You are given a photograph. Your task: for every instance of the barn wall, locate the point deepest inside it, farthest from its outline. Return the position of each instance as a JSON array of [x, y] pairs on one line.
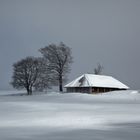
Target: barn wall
[[101, 90], [93, 90], [79, 89]]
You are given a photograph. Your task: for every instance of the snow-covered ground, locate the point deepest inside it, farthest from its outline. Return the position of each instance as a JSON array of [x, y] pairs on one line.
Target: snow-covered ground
[[70, 116]]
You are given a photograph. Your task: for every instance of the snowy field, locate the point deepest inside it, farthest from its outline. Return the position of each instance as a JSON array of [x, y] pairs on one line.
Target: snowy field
[[73, 116]]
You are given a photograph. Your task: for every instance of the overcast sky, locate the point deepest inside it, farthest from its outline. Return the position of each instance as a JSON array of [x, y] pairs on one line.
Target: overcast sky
[[98, 31]]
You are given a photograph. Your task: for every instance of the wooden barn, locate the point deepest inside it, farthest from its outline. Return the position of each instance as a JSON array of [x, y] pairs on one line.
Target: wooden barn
[[90, 83]]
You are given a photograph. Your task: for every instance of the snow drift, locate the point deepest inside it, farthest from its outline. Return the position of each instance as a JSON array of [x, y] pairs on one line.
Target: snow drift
[[54, 116]]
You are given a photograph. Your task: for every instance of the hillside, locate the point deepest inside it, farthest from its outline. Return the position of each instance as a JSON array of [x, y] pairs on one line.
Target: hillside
[[70, 116]]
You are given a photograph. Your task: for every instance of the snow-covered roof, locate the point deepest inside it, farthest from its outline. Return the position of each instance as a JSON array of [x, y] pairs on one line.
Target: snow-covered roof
[[92, 80]]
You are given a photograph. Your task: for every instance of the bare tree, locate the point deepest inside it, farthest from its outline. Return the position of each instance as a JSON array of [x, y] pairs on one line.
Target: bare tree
[[27, 73], [98, 70], [44, 80], [59, 59]]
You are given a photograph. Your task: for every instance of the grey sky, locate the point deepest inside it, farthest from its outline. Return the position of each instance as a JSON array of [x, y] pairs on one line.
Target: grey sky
[[105, 31]]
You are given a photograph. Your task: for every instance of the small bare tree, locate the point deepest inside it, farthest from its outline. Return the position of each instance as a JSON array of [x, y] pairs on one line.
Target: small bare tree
[[59, 59], [44, 80], [27, 74], [98, 70]]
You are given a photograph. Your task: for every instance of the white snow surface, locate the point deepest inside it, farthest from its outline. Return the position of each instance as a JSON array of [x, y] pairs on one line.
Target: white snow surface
[[70, 116], [92, 80]]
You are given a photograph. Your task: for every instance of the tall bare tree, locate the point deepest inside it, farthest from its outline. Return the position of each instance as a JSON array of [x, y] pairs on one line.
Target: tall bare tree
[[59, 58], [27, 74], [98, 70]]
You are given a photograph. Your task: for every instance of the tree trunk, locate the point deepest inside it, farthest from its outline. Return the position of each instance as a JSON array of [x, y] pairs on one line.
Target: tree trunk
[[60, 88], [60, 84], [29, 91]]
